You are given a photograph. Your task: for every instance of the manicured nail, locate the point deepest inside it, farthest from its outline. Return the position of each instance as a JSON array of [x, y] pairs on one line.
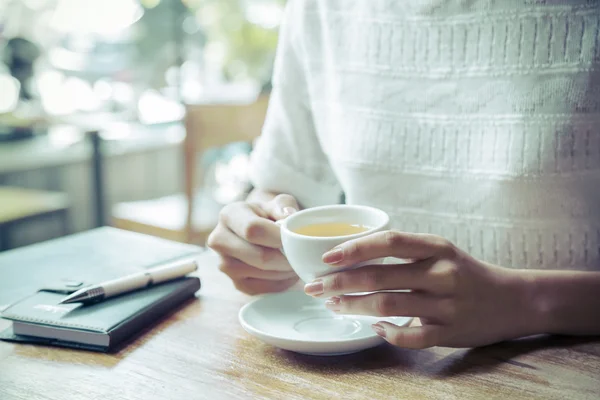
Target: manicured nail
[[314, 288], [333, 303], [287, 211], [379, 329], [333, 256]]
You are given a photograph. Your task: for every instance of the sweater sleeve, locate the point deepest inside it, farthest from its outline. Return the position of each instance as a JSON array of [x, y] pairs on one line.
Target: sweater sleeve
[[288, 157]]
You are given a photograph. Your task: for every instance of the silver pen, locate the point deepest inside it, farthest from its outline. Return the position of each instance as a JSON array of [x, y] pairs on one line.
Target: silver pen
[[138, 280]]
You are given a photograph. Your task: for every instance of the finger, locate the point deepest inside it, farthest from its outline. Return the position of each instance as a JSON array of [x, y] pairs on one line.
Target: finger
[[370, 278], [237, 270], [390, 304], [281, 206], [254, 286], [388, 244], [225, 242], [432, 275], [419, 337], [245, 221]]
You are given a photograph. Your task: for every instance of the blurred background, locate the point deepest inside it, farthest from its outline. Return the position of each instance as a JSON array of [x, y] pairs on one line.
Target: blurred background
[[138, 114]]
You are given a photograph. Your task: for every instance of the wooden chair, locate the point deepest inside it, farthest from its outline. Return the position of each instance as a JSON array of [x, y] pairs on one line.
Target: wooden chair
[[19, 205], [184, 216]]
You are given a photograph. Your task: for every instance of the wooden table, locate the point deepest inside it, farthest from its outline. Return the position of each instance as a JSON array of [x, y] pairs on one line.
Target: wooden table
[[202, 352]]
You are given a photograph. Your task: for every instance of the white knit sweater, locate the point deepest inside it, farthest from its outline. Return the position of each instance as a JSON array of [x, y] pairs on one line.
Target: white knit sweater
[[475, 120]]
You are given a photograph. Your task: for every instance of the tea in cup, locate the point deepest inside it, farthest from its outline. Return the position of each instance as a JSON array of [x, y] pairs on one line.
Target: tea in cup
[[308, 234]]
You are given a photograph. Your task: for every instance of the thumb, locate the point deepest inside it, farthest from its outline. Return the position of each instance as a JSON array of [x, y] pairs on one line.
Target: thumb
[[282, 206]]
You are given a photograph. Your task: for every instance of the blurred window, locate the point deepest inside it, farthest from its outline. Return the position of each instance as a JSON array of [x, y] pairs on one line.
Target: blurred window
[[135, 58]]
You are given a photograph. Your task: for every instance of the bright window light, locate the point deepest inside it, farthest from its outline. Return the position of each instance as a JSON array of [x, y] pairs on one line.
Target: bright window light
[[106, 17]]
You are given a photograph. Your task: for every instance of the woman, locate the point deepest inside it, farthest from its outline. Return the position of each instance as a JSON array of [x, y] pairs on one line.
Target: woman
[[475, 125]]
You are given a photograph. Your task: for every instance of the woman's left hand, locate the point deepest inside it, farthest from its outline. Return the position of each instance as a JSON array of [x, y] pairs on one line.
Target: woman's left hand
[[461, 302]]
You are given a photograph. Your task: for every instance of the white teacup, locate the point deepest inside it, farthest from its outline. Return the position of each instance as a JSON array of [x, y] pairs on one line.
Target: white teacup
[[305, 253]]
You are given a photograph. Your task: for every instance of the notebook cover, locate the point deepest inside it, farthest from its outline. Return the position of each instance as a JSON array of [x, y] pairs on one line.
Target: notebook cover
[[118, 317], [88, 257]]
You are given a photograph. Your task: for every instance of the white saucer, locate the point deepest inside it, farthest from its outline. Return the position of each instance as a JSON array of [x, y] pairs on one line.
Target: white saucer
[[300, 323]]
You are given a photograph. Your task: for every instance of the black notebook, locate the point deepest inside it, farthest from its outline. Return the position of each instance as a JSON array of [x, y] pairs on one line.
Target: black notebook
[[34, 279], [101, 326]]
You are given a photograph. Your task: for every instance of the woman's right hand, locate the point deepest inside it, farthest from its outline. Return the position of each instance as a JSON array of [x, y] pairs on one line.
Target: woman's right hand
[[248, 241]]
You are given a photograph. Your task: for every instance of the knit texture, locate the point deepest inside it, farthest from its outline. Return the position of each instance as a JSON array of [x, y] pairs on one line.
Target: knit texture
[[475, 120]]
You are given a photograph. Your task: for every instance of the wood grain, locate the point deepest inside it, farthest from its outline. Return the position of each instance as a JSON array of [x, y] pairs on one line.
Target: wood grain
[[201, 352]]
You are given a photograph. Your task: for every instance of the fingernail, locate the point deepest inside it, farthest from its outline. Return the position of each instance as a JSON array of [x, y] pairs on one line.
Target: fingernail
[[333, 303], [287, 211], [334, 256], [314, 288], [379, 329]]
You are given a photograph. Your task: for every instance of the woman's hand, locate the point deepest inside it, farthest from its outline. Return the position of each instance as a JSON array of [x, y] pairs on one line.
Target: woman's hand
[[248, 242], [460, 301]]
